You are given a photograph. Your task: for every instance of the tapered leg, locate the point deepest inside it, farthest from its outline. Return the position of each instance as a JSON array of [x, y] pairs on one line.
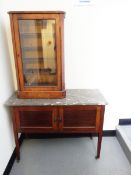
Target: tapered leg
[[17, 147], [16, 134], [99, 145], [100, 133]]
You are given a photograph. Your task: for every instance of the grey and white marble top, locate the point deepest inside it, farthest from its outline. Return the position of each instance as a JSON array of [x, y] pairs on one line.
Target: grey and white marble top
[[73, 97]]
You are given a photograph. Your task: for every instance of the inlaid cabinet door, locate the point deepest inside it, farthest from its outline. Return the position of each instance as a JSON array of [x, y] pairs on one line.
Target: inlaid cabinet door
[[36, 119], [79, 118]]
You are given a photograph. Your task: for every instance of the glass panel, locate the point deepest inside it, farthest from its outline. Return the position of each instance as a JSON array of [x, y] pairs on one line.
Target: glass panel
[[37, 39]]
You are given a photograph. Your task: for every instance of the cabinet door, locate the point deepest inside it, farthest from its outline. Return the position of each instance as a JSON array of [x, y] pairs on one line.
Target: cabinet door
[[79, 119], [38, 51], [36, 119]]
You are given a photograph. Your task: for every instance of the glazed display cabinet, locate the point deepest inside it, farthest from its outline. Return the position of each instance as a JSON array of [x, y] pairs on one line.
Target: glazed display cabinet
[[39, 52]]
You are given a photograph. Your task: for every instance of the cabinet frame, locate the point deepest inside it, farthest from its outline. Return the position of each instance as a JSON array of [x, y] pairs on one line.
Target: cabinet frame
[[56, 91]]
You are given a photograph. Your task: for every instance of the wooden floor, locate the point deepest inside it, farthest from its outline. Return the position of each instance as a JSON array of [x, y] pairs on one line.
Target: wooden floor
[[71, 156]]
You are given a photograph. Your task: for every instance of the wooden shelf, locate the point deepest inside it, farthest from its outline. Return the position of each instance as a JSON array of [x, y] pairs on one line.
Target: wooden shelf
[[40, 79], [30, 35], [40, 71], [40, 84], [32, 48], [33, 60]]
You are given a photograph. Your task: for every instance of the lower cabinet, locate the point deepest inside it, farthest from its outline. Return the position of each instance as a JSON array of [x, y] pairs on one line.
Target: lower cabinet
[[58, 119]]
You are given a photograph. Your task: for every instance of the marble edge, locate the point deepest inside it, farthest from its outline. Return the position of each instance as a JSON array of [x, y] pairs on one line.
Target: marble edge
[[48, 105], [14, 101]]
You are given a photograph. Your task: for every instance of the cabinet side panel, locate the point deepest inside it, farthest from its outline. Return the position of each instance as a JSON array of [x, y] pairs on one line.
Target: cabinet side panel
[[62, 49], [14, 48]]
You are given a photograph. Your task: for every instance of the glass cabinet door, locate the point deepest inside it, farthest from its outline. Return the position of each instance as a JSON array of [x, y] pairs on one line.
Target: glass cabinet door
[[38, 44]]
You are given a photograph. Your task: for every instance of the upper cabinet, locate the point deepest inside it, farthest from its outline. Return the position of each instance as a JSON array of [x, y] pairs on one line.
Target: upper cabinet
[[38, 50]]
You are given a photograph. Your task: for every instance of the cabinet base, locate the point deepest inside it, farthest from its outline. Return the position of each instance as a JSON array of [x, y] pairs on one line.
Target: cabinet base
[[41, 94]]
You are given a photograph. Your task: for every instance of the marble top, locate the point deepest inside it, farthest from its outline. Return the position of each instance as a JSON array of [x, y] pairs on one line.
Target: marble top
[[73, 97]]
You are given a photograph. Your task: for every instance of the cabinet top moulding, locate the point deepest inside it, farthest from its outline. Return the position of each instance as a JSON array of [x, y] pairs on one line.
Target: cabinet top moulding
[[36, 12]]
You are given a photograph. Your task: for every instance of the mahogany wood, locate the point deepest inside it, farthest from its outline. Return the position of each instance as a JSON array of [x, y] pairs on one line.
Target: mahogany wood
[[58, 119], [100, 133], [41, 94], [15, 129], [55, 91], [36, 12]]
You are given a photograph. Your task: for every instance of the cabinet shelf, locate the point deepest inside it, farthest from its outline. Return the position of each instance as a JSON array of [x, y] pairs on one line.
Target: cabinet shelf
[[40, 84], [33, 23], [40, 79], [34, 60], [35, 34], [38, 71], [32, 49], [30, 35]]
